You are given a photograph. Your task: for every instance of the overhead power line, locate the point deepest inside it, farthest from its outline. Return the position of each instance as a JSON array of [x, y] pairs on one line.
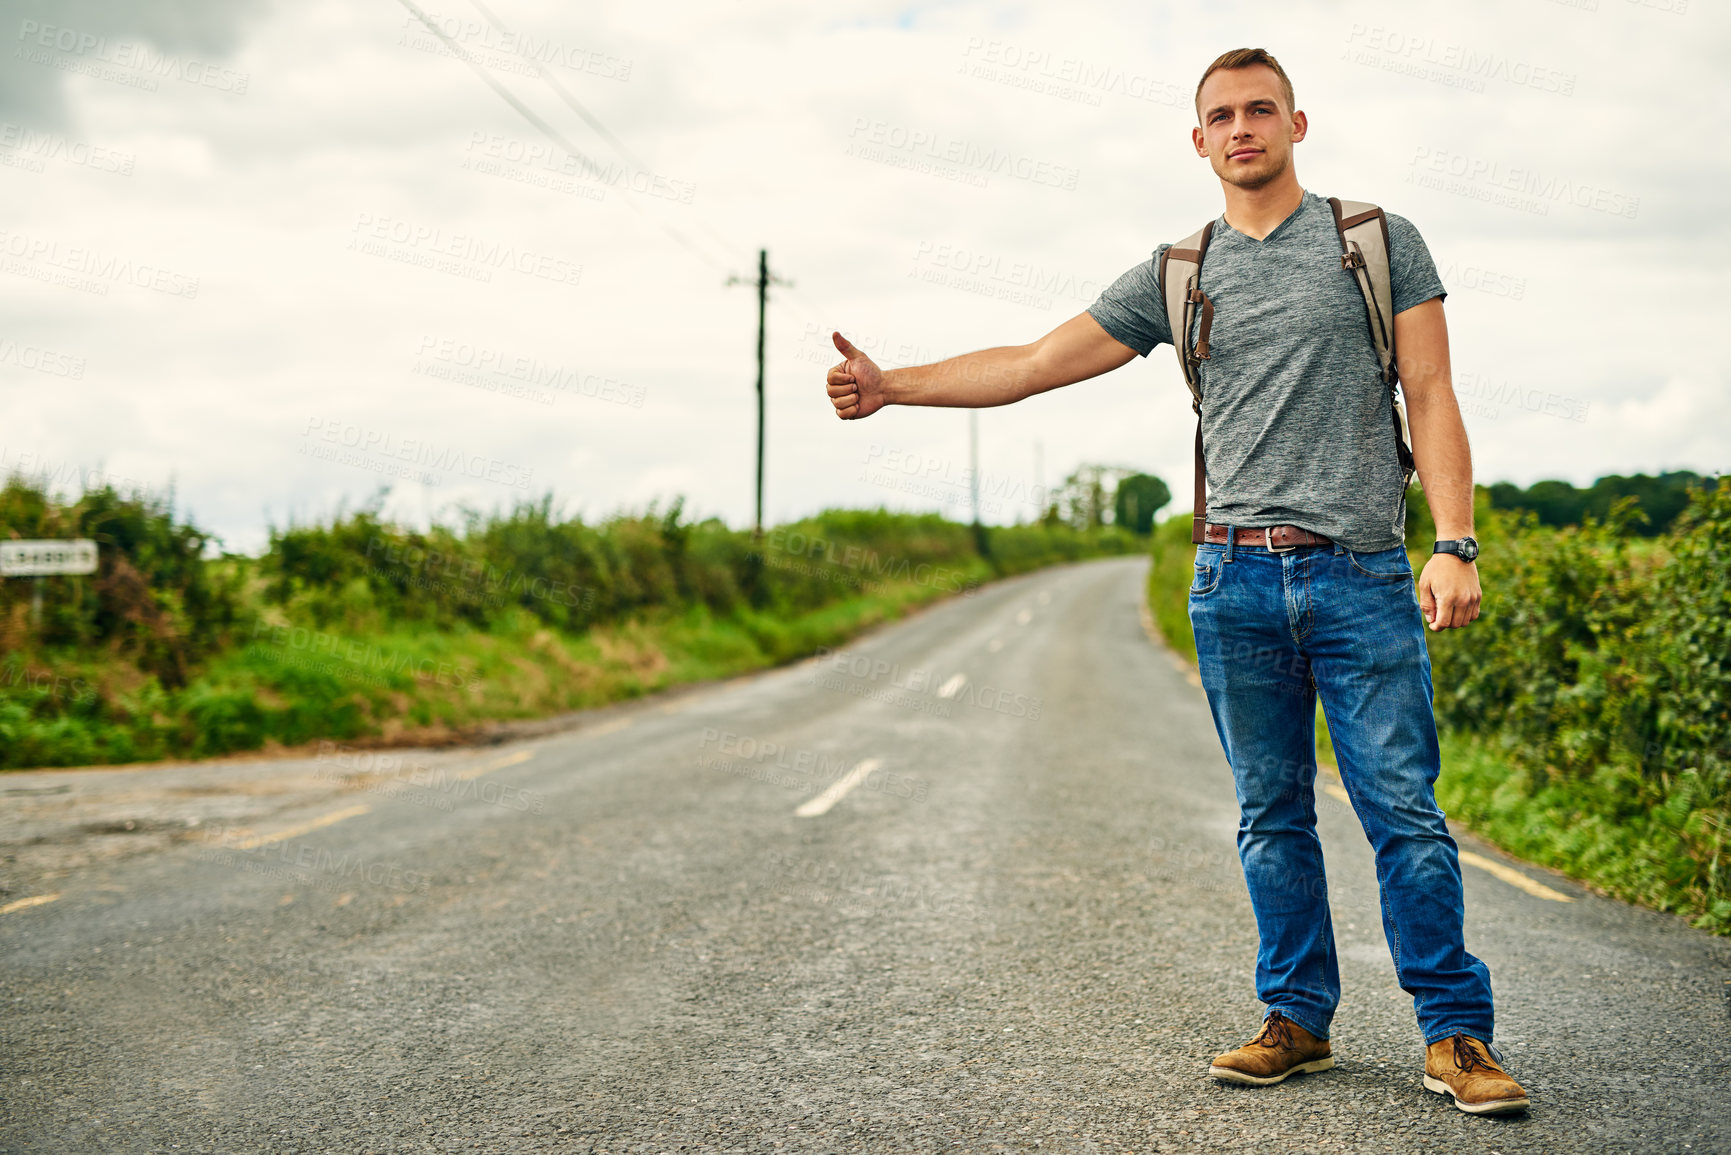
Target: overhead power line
[[594, 122], [575, 105], [763, 279], [546, 129], [734, 251]]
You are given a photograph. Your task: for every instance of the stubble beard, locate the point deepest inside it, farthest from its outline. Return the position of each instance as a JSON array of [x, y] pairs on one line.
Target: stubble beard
[[1273, 171]]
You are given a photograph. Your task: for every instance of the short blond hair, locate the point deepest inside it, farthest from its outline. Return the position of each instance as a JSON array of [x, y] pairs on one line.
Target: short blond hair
[[1246, 58]]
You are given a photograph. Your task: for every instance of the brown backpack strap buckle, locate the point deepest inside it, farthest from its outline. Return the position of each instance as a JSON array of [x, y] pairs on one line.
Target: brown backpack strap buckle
[[1352, 260], [1197, 297]]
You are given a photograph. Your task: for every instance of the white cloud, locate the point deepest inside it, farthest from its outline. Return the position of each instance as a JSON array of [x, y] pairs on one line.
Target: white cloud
[[345, 134]]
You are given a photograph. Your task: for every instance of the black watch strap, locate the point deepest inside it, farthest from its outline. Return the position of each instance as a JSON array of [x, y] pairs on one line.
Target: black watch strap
[[1465, 548]]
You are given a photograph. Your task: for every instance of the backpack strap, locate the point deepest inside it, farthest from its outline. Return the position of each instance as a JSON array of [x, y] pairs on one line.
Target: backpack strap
[[1180, 277], [1363, 229]]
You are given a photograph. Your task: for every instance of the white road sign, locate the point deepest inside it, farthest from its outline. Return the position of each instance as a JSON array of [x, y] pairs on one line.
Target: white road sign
[[35, 558]]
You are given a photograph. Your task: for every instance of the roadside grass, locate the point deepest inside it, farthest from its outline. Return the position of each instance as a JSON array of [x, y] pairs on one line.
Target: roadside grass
[[1615, 832], [1169, 577], [359, 628], [282, 686]]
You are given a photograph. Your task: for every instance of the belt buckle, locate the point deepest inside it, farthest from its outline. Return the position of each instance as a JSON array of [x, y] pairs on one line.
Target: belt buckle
[[1268, 540]]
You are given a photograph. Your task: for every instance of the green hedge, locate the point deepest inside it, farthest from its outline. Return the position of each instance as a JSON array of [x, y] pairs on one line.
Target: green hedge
[[1169, 578], [358, 626], [1600, 674], [152, 601], [1587, 714]]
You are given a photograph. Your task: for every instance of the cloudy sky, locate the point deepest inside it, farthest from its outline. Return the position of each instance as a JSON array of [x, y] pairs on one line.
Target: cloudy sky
[[277, 256]]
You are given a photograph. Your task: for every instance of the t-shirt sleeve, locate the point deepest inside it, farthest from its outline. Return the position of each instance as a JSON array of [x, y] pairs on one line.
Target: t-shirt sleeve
[[1411, 271], [1133, 310]]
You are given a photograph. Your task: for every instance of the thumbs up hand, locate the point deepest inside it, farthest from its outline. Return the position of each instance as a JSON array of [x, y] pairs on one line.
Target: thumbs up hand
[[856, 386]]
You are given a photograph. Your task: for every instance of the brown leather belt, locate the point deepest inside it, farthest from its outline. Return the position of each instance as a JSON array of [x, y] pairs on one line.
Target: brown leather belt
[[1275, 538]]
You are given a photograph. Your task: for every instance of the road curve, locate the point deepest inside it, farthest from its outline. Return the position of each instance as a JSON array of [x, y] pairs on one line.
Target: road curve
[[968, 885]]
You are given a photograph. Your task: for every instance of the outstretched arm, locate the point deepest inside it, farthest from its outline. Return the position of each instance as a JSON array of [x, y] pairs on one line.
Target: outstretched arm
[[1448, 587], [1074, 351]]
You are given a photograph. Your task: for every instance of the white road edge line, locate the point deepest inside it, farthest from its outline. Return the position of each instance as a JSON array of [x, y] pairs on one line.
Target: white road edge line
[[26, 903], [838, 789]]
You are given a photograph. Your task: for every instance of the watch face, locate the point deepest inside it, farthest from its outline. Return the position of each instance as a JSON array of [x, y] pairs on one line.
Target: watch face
[[1469, 549]]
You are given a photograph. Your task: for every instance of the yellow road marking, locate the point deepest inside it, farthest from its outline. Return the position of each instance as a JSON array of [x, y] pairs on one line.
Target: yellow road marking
[[1148, 627], [331, 819], [1154, 636], [1513, 877], [612, 727], [23, 903], [1489, 865], [496, 764]]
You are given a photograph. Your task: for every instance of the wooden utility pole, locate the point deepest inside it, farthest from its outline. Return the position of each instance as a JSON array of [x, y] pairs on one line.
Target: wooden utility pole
[[764, 280], [974, 460]]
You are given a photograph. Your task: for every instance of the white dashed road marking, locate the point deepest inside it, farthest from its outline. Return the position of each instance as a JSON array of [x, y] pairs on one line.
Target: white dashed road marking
[[838, 789]]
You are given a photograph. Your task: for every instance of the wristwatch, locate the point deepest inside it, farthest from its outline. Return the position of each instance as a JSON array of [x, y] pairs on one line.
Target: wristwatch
[[1465, 548]]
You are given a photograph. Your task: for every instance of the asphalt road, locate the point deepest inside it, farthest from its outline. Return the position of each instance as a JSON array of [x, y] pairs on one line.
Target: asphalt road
[[1021, 927]]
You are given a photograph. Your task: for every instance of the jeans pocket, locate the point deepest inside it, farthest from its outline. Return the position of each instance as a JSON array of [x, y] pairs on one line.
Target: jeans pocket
[[1389, 565], [1207, 575]]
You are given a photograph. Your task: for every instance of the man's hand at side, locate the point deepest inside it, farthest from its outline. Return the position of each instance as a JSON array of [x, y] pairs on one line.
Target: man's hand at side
[[1448, 591], [856, 386], [1448, 588]]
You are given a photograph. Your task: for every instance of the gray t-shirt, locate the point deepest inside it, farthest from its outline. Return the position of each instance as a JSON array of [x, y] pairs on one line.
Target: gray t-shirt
[[1295, 416]]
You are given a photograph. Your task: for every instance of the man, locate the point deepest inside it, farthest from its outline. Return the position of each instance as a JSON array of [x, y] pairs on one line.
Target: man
[[1302, 568]]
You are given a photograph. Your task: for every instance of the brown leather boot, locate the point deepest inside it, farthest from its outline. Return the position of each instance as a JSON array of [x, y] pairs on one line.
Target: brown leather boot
[[1283, 1048], [1461, 1066]]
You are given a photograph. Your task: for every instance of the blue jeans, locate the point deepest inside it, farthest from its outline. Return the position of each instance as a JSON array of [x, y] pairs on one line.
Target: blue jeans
[[1273, 632]]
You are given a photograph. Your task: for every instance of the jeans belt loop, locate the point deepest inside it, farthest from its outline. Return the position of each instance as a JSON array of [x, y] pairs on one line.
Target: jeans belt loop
[[1231, 541]]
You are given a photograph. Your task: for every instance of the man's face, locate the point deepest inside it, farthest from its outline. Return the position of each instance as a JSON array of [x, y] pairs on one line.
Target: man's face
[[1247, 131]]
